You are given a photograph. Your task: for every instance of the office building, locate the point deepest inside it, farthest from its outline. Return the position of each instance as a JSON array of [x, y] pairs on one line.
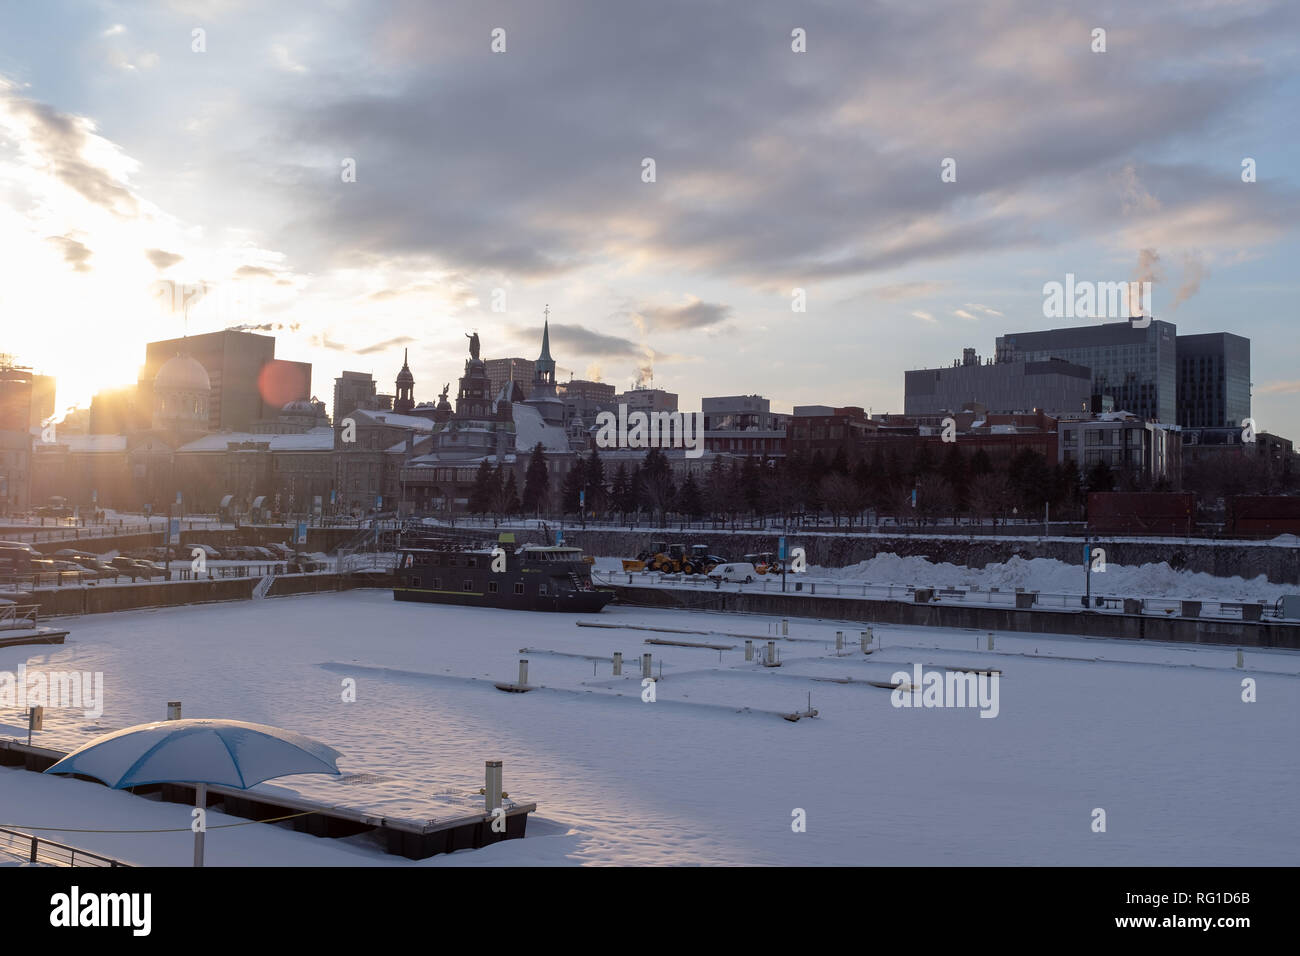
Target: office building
[[240, 366], [1054, 385], [502, 370], [1213, 380], [1136, 366], [15, 437]]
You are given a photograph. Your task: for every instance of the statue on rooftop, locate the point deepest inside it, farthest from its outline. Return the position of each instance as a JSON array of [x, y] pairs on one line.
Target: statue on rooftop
[[473, 345]]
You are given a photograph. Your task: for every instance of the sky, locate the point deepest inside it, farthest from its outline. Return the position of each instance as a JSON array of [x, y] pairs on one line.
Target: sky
[[183, 167]]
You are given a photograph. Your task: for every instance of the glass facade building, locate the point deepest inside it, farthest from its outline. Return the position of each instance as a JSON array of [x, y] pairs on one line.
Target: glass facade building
[[1136, 366], [1213, 380]]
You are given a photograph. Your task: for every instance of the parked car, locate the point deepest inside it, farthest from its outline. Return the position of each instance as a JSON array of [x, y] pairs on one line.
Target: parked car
[[136, 567], [149, 569], [735, 572], [48, 570], [19, 546], [96, 568], [211, 553]]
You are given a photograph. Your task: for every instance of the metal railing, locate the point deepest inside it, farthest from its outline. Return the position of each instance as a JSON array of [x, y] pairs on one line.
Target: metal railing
[[37, 849], [13, 616]]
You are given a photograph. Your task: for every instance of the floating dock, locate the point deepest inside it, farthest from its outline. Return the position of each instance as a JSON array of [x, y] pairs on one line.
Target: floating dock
[[414, 840]]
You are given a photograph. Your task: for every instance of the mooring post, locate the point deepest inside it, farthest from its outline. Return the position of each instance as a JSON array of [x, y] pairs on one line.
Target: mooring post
[[771, 652], [1240, 659], [785, 627], [523, 672], [990, 640], [645, 666], [865, 638], [173, 710], [839, 641], [618, 663], [492, 785], [749, 650]]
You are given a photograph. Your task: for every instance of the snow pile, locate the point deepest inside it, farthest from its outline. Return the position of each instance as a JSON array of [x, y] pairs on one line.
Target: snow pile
[[1052, 576]]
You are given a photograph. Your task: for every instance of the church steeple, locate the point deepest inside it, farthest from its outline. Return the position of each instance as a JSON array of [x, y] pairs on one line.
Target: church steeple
[[405, 400], [544, 367]]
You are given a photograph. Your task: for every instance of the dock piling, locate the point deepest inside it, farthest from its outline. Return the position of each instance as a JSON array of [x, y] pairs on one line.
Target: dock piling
[[492, 785]]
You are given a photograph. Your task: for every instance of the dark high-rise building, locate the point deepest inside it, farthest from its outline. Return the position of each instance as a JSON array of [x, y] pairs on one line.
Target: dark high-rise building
[[353, 390], [43, 387], [15, 436], [234, 362], [1213, 380], [502, 370], [1136, 366]]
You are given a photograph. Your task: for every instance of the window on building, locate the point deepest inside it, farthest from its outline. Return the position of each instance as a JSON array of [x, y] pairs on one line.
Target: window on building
[[519, 587], [492, 587], [541, 589], [467, 586]]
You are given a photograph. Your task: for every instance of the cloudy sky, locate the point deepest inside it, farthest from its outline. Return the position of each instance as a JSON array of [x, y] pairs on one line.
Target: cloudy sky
[[516, 180]]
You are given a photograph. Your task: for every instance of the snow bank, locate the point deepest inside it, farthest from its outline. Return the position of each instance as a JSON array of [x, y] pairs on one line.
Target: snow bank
[[1053, 576]]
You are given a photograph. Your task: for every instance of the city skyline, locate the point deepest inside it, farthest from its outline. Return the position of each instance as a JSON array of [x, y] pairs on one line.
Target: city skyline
[[131, 159]]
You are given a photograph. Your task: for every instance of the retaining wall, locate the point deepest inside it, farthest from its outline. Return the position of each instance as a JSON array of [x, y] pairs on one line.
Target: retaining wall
[[1278, 563], [1136, 627]]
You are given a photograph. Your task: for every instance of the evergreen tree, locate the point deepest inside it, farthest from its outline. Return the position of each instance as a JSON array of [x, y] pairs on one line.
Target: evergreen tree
[[597, 493], [980, 464], [953, 471], [573, 484], [1030, 480], [621, 491], [1100, 477], [751, 485], [481, 494], [510, 495], [688, 498], [537, 482], [715, 490]]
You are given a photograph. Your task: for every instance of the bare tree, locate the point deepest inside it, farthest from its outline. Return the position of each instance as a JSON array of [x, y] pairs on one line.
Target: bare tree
[[989, 494]]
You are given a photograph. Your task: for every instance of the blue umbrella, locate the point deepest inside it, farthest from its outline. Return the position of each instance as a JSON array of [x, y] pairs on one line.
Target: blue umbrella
[[231, 753]]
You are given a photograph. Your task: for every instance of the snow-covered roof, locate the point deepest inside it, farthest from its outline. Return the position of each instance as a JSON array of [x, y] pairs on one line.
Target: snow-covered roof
[[316, 439], [393, 418], [92, 443], [531, 429]]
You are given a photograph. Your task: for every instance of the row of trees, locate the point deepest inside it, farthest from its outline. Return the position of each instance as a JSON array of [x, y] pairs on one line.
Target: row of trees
[[901, 482]]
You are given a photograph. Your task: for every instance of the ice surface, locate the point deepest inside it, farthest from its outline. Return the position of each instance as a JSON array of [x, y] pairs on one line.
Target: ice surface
[[1157, 735]]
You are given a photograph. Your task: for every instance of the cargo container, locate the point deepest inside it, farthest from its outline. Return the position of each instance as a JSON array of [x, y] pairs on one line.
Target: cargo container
[[1141, 512], [1262, 516]]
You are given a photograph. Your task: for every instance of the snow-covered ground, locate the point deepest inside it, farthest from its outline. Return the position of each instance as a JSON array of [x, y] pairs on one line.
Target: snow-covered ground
[[1156, 735]]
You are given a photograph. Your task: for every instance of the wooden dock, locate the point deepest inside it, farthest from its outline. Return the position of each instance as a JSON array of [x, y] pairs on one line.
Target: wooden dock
[[411, 839], [15, 637]]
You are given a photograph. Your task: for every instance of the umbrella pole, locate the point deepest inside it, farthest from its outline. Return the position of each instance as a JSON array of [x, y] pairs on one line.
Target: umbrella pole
[[200, 801]]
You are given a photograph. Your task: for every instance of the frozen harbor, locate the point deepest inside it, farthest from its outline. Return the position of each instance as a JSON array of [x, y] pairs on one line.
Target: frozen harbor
[[1156, 735]]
